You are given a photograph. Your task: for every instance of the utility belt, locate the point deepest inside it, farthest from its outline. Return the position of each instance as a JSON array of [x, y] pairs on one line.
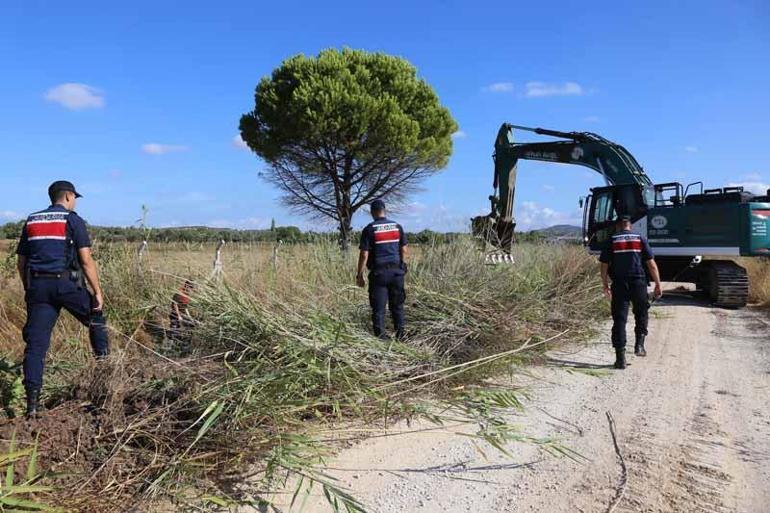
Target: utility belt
[[46, 275], [628, 278], [388, 267], [74, 276]]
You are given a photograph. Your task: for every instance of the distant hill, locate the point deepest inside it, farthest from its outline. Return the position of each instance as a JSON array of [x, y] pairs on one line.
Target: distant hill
[[561, 230]]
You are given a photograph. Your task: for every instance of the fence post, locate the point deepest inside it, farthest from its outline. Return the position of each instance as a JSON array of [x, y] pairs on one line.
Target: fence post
[[275, 254], [218, 267], [140, 251]]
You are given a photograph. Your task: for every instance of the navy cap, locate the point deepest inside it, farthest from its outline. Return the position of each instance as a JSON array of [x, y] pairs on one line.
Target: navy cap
[[625, 217], [377, 205], [62, 185]]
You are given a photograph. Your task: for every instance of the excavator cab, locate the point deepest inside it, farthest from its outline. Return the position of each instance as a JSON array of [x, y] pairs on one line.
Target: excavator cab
[[605, 204]]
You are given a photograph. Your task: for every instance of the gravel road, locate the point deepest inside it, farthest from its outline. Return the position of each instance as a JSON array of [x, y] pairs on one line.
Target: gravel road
[[692, 422]]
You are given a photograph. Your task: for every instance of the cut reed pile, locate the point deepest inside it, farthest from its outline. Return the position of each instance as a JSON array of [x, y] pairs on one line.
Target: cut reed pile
[[278, 354]]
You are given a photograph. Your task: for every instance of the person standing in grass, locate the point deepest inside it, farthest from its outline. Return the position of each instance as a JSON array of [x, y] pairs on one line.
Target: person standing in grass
[[180, 321], [624, 260], [383, 250], [54, 263]]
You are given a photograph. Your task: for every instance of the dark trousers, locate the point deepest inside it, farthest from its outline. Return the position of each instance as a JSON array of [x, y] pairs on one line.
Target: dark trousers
[[45, 298], [180, 331], [386, 286], [624, 291]]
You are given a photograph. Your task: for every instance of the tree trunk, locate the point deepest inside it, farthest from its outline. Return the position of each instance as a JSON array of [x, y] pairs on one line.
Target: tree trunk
[[344, 206], [346, 218], [345, 229]]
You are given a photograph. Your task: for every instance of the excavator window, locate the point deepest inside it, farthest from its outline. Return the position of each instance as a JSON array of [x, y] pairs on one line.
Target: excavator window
[[603, 207], [669, 194], [609, 202]]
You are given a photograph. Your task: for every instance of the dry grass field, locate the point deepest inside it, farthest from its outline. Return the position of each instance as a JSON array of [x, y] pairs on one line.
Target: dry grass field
[[280, 351]]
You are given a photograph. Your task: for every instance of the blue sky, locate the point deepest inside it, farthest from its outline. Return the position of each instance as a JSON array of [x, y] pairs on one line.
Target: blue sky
[[683, 85]]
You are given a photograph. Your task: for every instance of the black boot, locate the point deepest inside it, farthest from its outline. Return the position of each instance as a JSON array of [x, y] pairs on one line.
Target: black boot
[[620, 357], [639, 346], [33, 400]]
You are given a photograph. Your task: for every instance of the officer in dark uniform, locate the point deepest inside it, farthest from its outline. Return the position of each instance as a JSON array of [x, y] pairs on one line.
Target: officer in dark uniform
[[624, 260], [54, 263], [383, 251]]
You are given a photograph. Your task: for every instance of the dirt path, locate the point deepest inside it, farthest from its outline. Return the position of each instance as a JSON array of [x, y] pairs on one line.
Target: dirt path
[[692, 423]]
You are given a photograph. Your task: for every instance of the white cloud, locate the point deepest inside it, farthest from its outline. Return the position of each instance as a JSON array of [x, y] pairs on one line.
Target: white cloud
[[459, 135], [530, 216], [195, 196], [691, 149], [239, 143], [498, 87], [76, 96], [752, 177], [542, 89], [760, 188], [592, 119], [162, 149], [249, 223], [9, 215], [549, 188], [413, 209], [416, 216]]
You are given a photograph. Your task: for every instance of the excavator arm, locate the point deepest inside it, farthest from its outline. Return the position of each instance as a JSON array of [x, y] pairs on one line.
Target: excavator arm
[[611, 160]]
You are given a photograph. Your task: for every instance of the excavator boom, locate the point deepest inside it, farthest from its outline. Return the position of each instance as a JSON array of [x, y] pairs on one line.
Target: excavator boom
[[587, 149]]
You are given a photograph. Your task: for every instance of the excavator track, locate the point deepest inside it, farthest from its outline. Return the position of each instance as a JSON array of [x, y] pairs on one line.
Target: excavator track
[[727, 283]]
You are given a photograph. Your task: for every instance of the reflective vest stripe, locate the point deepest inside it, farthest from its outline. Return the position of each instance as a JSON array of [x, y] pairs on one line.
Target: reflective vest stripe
[[386, 236], [37, 230], [626, 245]]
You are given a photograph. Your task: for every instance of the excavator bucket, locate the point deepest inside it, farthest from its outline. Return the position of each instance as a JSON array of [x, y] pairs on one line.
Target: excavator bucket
[[495, 237]]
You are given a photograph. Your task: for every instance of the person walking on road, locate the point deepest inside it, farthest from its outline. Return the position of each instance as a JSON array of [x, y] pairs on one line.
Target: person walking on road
[[383, 250], [54, 262], [624, 260]]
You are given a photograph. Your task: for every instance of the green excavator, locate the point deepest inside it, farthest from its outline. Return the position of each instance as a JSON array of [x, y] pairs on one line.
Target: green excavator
[[694, 233]]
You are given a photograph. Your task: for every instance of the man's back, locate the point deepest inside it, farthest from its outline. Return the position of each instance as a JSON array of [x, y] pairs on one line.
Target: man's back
[[44, 240], [383, 239], [626, 253]]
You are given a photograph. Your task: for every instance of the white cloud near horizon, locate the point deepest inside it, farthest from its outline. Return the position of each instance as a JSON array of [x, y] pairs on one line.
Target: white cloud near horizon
[[537, 89], [459, 135], [74, 96], [759, 188], [752, 177], [162, 149], [416, 216], [10, 215], [691, 149], [249, 223], [499, 87], [239, 143], [531, 216]]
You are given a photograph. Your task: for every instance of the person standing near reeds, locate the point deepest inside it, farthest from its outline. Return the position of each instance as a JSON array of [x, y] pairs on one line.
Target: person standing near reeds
[[624, 260], [180, 321], [54, 262], [383, 250]]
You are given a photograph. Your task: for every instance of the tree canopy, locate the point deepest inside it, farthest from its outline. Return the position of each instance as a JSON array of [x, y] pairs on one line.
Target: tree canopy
[[346, 127]]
